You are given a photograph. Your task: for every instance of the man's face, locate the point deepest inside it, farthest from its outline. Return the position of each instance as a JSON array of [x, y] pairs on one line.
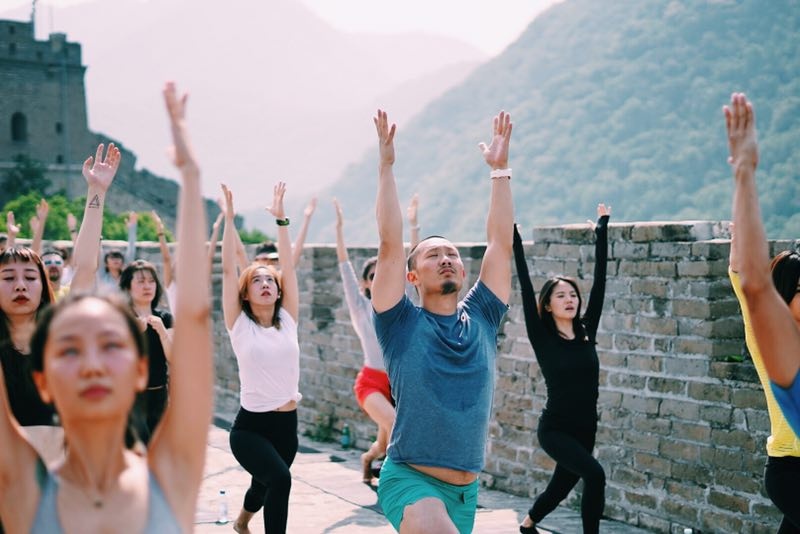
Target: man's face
[[54, 265], [437, 267]]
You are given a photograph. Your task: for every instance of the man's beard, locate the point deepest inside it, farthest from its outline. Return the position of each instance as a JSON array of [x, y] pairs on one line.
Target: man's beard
[[449, 287], [54, 277]]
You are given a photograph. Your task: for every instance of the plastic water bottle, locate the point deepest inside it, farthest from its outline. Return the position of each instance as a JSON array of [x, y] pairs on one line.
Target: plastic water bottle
[[222, 519], [346, 436]]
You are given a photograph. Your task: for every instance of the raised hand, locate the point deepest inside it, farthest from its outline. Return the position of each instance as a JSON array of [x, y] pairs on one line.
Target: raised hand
[[602, 210], [182, 156], [277, 201], [131, 219], [339, 216], [42, 210], [72, 223], [740, 121], [100, 171], [157, 324], [11, 226], [227, 205], [411, 211], [496, 153], [157, 220], [385, 138], [310, 208]]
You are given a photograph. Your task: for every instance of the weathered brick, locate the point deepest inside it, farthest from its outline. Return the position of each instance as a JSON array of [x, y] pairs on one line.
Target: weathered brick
[[704, 391], [697, 308], [651, 463], [692, 431], [655, 425], [680, 409], [703, 268], [727, 501], [630, 342], [660, 384], [662, 269], [682, 451], [649, 287]]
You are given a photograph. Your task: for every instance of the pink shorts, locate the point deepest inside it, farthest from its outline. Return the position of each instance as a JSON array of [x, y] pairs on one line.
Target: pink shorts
[[370, 381]]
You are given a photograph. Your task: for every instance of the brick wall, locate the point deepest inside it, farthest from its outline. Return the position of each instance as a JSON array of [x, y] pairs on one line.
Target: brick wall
[[683, 424]]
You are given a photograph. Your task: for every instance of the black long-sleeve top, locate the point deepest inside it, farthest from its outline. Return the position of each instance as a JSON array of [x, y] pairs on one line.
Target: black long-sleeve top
[[570, 366]]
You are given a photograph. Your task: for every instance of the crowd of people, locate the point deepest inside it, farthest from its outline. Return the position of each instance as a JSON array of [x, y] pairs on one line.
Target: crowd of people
[[106, 383]]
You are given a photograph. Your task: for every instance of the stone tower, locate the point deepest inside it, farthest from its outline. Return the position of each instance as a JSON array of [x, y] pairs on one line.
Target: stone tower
[[43, 116]]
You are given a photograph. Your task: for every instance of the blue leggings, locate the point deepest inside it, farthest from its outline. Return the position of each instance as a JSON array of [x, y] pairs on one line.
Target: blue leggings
[[572, 452], [265, 444]]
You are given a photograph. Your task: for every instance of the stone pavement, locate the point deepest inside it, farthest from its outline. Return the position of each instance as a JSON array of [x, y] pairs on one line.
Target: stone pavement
[[329, 497]]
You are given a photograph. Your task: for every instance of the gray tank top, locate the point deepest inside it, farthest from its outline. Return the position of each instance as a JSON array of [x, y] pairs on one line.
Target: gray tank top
[[160, 518]]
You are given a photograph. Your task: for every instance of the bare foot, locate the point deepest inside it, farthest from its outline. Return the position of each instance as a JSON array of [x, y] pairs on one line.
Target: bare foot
[[241, 525], [366, 468]]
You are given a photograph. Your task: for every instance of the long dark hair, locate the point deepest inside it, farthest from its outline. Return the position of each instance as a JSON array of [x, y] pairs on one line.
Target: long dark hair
[[126, 279], [244, 283], [20, 254], [785, 269], [547, 316]]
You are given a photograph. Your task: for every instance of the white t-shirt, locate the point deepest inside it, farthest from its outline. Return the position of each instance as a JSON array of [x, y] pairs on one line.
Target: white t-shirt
[[269, 362]]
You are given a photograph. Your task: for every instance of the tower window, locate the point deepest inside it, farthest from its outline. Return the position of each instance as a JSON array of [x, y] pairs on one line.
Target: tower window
[[59, 128], [59, 159], [19, 127]]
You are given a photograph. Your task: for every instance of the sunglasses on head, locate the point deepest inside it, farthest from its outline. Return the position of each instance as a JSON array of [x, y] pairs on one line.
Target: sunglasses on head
[[53, 262]]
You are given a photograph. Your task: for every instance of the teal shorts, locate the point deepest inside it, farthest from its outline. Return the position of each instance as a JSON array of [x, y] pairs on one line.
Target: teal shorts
[[401, 486]]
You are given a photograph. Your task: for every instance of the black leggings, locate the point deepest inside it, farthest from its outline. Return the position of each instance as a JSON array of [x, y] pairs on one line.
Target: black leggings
[[265, 444], [780, 479], [572, 452]]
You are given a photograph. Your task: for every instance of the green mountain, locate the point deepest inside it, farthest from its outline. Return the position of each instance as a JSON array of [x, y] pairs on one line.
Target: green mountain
[[616, 102]]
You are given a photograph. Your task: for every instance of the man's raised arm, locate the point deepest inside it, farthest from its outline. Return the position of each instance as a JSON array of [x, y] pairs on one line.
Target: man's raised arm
[[496, 265], [389, 285], [777, 335]]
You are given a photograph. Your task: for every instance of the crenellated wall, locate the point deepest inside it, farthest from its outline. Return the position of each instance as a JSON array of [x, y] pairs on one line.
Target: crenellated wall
[[683, 421]]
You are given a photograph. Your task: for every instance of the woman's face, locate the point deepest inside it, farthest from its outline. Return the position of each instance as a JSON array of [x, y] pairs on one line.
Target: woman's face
[[92, 369], [21, 288], [262, 290], [563, 301], [143, 288]]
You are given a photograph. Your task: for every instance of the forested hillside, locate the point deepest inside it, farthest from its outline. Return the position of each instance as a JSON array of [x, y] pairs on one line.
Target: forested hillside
[[618, 102]]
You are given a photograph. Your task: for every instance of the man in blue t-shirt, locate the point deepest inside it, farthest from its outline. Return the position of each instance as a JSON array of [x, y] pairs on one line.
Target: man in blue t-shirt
[[440, 356]]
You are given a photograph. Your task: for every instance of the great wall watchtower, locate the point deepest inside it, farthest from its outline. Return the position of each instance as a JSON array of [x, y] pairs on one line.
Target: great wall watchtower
[[43, 115]]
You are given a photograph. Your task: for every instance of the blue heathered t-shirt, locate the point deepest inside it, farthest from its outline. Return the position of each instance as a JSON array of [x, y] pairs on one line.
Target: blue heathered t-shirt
[[441, 368]]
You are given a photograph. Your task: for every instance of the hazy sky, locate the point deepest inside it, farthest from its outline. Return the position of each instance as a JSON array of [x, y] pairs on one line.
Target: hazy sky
[[489, 26]]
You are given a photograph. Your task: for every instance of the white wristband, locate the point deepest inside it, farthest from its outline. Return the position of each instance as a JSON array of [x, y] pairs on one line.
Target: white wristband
[[500, 173]]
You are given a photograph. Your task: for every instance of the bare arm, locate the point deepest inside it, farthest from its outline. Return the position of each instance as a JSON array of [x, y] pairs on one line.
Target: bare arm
[[38, 222], [177, 451], [132, 222], [166, 257], [19, 492], [231, 307], [214, 238], [297, 249], [777, 334], [413, 223], [99, 173], [388, 287], [11, 229], [341, 250], [289, 288], [496, 265]]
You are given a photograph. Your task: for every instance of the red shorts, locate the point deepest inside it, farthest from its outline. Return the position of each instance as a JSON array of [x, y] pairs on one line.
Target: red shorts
[[370, 381]]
